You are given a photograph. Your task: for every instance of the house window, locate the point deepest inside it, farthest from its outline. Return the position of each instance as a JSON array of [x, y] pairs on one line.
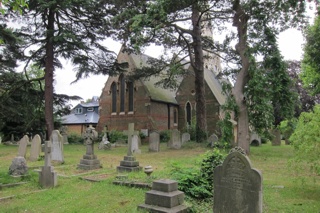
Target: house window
[[188, 113], [90, 109], [130, 101], [78, 111], [114, 97], [122, 92]]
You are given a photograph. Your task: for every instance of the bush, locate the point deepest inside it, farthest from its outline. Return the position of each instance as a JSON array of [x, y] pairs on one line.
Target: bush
[[74, 138], [198, 183], [164, 136], [306, 141], [115, 135]]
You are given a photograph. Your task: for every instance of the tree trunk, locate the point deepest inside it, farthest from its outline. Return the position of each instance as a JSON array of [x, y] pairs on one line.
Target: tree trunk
[[49, 71], [240, 20], [201, 117]]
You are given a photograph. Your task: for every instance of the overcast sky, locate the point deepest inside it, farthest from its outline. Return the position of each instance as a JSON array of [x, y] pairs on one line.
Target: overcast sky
[[290, 43]]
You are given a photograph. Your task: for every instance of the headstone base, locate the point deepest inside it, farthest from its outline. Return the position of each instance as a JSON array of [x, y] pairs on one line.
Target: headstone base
[[89, 162], [48, 177], [164, 197], [129, 164]]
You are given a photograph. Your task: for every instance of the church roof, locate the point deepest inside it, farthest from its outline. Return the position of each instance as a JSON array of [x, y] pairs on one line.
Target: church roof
[[215, 86], [156, 93]]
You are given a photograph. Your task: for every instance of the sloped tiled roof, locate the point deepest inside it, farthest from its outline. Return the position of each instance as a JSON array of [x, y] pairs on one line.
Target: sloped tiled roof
[[87, 118], [215, 86], [156, 93]]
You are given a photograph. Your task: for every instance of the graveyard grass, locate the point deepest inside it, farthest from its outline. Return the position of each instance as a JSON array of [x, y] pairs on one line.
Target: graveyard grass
[[283, 189]]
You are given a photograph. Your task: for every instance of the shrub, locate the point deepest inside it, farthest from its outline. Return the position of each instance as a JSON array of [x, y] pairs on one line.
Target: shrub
[[74, 138], [306, 140], [115, 135], [198, 183], [165, 136]]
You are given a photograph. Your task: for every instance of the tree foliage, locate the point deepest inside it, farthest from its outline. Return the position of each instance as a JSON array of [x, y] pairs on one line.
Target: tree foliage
[[306, 140], [311, 60]]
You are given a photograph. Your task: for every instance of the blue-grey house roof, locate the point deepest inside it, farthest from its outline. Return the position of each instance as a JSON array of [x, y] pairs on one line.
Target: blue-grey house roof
[[85, 117]]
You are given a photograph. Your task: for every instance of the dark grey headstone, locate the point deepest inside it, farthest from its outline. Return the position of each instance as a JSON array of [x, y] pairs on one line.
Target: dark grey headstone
[[237, 187], [18, 166]]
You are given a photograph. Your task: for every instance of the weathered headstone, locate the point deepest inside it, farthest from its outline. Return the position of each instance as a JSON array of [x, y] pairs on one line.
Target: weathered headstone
[[129, 163], [23, 143], [213, 139], [18, 166], [64, 133], [164, 197], [35, 148], [89, 160], [104, 144], [175, 140], [154, 142], [57, 147], [135, 144], [47, 176], [185, 138], [255, 139], [237, 187], [276, 141]]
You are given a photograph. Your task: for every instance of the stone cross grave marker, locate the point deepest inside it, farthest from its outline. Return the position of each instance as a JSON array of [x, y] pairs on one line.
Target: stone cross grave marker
[[35, 148], [47, 176], [154, 142], [130, 134], [237, 187], [23, 143], [175, 140], [57, 146]]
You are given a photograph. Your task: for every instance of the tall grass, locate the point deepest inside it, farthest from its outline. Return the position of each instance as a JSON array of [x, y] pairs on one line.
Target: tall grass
[[283, 190]]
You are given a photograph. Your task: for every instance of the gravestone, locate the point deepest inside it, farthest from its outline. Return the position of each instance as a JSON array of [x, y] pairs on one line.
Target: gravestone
[[18, 166], [213, 139], [154, 142], [135, 144], [129, 164], [64, 133], [57, 147], [35, 148], [276, 141], [255, 139], [175, 141], [23, 143], [89, 160], [105, 143], [47, 176], [164, 197], [237, 187], [185, 138]]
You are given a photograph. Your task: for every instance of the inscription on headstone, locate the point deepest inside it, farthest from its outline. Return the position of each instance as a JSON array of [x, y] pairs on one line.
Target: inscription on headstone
[[237, 187]]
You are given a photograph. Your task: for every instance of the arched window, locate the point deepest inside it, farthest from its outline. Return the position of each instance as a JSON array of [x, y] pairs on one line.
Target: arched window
[[188, 113], [130, 98], [114, 97], [122, 92]]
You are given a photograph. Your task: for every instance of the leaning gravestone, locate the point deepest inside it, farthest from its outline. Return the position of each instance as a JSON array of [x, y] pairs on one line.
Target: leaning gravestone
[[213, 139], [89, 160], [47, 176], [35, 148], [23, 143], [129, 164], [105, 143], [154, 142], [57, 147], [175, 141], [237, 187], [185, 138]]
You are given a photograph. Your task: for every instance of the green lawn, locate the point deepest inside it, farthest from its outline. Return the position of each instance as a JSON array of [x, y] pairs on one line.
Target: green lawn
[[283, 191]]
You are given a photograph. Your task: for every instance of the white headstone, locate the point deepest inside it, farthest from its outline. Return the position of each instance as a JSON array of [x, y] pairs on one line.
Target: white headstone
[[35, 148], [175, 141], [135, 144], [57, 146]]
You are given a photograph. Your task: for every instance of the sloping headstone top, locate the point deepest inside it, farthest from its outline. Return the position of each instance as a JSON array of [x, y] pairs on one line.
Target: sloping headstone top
[[35, 148], [237, 187], [23, 143], [57, 146]]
